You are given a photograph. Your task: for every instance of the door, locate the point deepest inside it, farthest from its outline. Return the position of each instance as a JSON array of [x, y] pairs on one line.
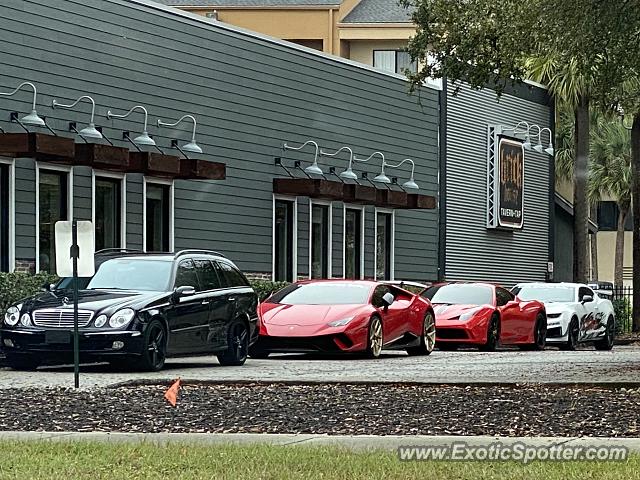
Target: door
[[393, 318], [187, 316], [588, 314], [513, 325], [214, 328], [4, 218]]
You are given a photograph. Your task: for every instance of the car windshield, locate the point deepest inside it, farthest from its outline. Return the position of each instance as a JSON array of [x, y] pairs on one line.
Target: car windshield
[[132, 274], [322, 294], [460, 294], [547, 294]]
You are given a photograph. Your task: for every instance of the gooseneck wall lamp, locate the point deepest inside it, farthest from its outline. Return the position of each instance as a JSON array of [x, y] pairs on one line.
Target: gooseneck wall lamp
[[144, 138], [314, 168], [348, 173], [528, 135], [32, 118], [192, 146], [409, 184], [90, 131], [381, 178]]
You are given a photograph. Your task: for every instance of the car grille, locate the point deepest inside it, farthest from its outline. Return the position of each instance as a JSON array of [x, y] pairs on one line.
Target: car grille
[[60, 318]]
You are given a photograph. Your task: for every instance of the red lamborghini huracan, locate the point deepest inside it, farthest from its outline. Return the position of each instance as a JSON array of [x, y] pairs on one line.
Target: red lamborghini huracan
[[344, 316], [485, 315]]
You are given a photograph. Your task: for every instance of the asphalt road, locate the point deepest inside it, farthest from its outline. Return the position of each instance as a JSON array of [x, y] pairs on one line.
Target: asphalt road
[[466, 366]]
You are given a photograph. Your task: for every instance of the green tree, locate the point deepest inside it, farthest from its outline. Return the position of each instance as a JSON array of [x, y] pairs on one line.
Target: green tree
[[610, 174]]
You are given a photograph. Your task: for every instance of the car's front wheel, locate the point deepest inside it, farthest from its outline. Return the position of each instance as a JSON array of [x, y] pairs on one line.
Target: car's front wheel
[[607, 341], [237, 345], [23, 361], [154, 352], [572, 335], [428, 338], [374, 338], [493, 335]]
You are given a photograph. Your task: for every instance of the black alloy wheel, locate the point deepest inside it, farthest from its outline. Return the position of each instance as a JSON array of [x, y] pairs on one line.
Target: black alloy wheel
[[572, 336], [493, 334], [154, 351], [606, 343], [237, 345]]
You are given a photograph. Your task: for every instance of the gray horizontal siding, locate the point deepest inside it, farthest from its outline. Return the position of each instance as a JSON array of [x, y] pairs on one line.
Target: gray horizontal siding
[[474, 252], [249, 95], [25, 210]]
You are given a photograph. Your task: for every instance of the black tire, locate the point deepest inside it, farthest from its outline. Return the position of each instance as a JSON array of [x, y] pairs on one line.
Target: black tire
[[607, 342], [428, 338], [493, 334], [237, 345], [24, 362], [539, 334], [154, 349], [375, 338], [572, 339], [256, 352], [447, 347]]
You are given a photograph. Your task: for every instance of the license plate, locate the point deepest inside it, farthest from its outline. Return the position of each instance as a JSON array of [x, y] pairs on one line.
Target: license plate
[[52, 336]]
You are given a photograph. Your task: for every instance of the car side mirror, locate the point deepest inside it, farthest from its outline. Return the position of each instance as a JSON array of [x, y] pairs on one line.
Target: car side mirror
[[48, 287], [587, 298], [184, 291], [387, 299]]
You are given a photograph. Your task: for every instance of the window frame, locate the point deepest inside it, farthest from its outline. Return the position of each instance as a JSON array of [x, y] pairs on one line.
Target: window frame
[[123, 201], [329, 234], [195, 272], [510, 296], [10, 162], [395, 51], [158, 181], [294, 201], [361, 209], [392, 257], [52, 167]]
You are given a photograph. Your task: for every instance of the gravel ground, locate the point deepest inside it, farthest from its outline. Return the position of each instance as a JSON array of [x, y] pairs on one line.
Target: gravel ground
[[533, 410]]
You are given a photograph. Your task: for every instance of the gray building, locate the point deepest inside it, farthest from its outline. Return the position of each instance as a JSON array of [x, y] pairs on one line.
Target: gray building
[[250, 95]]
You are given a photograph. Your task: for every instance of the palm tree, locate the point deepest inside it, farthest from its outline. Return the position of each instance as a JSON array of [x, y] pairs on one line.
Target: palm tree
[[571, 90], [610, 174]]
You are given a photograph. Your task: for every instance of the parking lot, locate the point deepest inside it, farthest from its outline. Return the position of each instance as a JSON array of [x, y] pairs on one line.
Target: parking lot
[[465, 366]]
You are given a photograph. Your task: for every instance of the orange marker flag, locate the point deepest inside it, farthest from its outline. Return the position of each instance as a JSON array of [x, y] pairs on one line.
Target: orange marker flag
[[172, 392]]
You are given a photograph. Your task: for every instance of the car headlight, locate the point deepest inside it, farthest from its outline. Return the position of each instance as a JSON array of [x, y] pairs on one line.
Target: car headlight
[[25, 320], [121, 318], [469, 313], [100, 321], [12, 317], [340, 323]]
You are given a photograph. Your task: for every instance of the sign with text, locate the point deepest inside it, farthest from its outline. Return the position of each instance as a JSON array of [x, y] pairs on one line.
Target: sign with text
[[64, 259], [510, 169]]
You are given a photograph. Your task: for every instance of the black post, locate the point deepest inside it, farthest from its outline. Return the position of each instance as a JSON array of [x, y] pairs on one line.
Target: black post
[[75, 253]]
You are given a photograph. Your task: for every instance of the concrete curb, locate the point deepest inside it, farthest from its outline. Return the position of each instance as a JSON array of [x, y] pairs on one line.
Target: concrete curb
[[359, 442]]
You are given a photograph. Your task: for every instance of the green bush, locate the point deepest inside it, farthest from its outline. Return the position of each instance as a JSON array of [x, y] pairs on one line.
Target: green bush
[[622, 308], [265, 287], [17, 286]]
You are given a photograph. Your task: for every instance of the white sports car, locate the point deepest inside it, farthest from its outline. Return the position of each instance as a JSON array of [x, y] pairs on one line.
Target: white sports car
[[575, 313]]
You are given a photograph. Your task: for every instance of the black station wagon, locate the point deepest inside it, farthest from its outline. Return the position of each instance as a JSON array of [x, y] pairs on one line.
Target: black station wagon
[[136, 310]]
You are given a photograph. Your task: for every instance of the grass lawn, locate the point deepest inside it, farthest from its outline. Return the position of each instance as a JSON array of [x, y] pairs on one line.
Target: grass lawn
[[70, 461]]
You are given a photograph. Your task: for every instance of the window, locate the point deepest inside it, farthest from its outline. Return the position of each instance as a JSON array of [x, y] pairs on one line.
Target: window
[[108, 212], [320, 249], [384, 246], [4, 218], [352, 243], [186, 275], [207, 275], [503, 296], [284, 249], [394, 61], [231, 276], [608, 217], [147, 274], [157, 217], [584, 291], [378, 293], [52, 207]]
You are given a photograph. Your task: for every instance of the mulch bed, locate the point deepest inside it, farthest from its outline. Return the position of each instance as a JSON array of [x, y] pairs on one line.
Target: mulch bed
[[530, 410]]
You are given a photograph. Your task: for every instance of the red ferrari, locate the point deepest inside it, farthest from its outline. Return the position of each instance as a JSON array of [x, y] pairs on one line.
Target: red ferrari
[[485, 315], [344, 316]]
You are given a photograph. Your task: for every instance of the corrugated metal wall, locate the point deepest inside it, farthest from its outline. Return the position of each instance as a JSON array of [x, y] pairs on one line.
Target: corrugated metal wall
[[249, 94], [474, 252]]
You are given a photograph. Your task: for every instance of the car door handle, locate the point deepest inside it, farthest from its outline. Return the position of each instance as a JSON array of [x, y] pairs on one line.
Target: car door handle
[[232, 299], [205, 302]]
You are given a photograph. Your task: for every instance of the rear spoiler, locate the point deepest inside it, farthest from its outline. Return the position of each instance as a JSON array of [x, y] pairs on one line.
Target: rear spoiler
[[402, 284]]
